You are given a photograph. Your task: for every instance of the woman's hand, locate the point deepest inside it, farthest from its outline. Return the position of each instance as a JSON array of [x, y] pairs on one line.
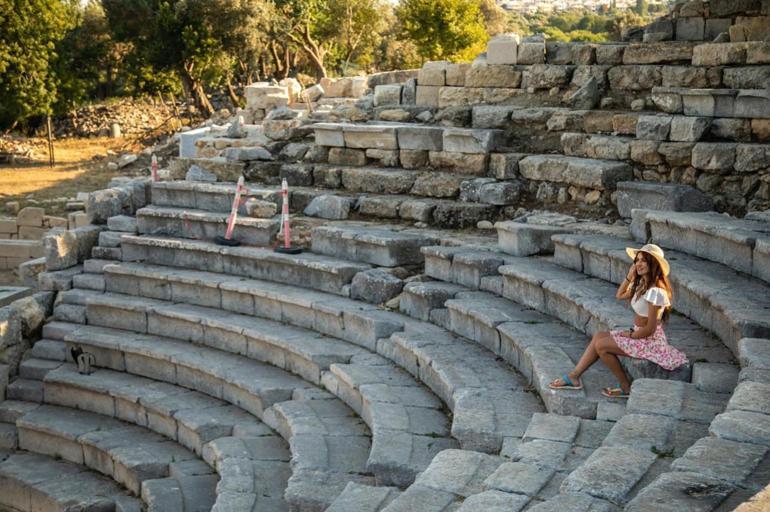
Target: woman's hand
[[631, 273]]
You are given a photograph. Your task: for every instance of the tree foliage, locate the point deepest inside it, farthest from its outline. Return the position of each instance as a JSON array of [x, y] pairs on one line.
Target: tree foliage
[[444, 29], [29, 33]]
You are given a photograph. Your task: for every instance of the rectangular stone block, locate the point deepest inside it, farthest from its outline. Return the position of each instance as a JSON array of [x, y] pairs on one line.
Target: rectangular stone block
[[460, 140], [328, 134], [364, 137], [455, 74], [427, 95], [432, 74], [424, 138], [690, 29], [503, 49]]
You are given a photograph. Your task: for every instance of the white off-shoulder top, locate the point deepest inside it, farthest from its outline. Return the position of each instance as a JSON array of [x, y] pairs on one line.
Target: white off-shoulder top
[[655, 296]]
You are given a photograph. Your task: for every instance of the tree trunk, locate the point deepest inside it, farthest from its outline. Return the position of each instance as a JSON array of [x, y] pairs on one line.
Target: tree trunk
[[198, 93], [233, 95]]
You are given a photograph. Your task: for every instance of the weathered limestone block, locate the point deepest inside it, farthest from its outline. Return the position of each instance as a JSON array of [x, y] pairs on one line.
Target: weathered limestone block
[[750, 28], [413, 159], [753, 104], [492, 75], [375, 286], [653, 127], [437, 185], [455, 74], [459, 96], [690, 77], [659, 196], [500, 193], [668, 102], [432, 74], [558, 53], [677, 154], [719, 54], [531, 51], [731, 129], [751, 157], [103, 204], [387, 95], [634, 78], [346, 156], [652, 53], [370, 136], [423, 138], [690, 29], [466, 163], [749, 77], [502, 49], [427, 95], [610, 54], [460, 140], [714, 157], [505, 166], [60, 248], [547, 76], [329, 206], [262, 95], [758, 52], [329, 134], [386, 157], [688, 129], [660, 30]]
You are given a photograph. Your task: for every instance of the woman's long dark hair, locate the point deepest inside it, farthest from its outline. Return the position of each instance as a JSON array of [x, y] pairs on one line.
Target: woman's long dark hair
[[656, 279]]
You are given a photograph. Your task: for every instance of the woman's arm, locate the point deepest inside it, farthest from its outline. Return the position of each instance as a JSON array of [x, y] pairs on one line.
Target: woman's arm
[[624, 289], [650, 326]]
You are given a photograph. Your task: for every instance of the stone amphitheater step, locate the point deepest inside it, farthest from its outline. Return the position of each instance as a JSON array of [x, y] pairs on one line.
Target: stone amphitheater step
[[663, 419], [586, 304], [381, 245], [727, 103], [741, 244], [538, 346], [311, 270], [408, 424], [477, 387], [32, 482], [729, 303], [246, 384], [393, 136], [296, 350], [530, 471], [732, 461], [218, 198], [330, 448], [571, 170], [128, 454], [363, 498], [197, 224]]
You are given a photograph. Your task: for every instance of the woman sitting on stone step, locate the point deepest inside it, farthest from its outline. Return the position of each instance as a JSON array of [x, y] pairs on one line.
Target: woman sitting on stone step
[[647, 288]]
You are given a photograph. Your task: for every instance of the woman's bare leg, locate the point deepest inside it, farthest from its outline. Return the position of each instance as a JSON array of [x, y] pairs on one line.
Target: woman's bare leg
[[589, 357], [608, 352]]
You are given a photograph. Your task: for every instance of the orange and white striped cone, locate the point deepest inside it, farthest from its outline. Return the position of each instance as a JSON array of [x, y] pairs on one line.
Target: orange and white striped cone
[[285, 228], [228, 238]]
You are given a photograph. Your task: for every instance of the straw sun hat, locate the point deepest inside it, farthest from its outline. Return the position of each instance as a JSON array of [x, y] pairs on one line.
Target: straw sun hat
[[654, 251]]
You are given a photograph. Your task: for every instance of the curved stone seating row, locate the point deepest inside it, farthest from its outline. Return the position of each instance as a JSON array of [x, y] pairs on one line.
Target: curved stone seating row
[[128, 454], [738, 243], [199, 422], [301, 352], [32, 483], [243, 382], [728, 303], [330, 448], [408, 424], [294, 349], [197, 224], [538, 346], [310, 270], [363, 498], [218, 197], [461, 374], [529, 470]]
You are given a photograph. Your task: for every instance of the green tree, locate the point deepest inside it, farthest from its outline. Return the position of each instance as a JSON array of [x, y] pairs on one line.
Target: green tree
[[642, 7], [444, 29], [29, 33]]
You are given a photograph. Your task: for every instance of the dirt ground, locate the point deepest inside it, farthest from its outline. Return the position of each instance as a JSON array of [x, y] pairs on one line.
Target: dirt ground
[[81, 166]]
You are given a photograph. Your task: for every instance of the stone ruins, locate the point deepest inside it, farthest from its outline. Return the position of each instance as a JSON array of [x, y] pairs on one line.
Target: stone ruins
[[464, 228]]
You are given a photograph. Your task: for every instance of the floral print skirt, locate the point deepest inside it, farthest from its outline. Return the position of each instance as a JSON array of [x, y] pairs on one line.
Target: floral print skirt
[[653, 348]]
